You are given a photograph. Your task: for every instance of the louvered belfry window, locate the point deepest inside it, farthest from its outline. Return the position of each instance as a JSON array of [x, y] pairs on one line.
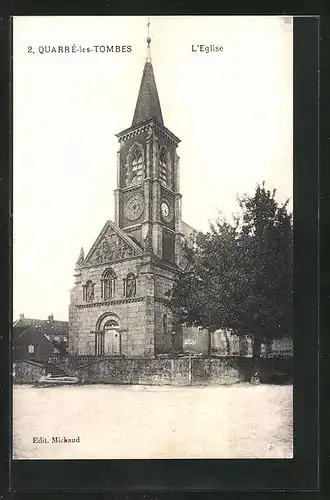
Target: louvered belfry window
[[137, 166], [163, 166]]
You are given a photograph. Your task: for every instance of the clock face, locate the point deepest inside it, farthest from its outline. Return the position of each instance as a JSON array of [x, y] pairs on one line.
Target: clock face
[[134, 207], [166, 212]]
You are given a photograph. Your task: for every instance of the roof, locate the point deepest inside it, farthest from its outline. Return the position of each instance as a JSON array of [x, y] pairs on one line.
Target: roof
[[47, 327], [187, 230], [32, 334], [148, 104], [188, 233]]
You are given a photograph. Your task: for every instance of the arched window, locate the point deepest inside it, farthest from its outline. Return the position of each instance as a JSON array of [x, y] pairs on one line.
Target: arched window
[[88, 291], [135, 166], [108, 284], [130, 285], [163, 166], [165, 326]]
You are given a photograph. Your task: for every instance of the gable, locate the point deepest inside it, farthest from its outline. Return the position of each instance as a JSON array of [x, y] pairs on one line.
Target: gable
[[111, 245], [32, 335]]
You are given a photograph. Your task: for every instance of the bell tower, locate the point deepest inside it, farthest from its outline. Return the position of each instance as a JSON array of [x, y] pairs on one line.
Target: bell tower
[[147, 198]]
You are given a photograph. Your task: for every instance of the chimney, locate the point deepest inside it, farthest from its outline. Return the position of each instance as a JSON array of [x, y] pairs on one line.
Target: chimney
[[51, 318], [21, 316]]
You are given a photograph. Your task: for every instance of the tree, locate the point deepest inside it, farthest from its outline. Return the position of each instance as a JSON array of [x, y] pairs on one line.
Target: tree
[[268, 313], [239, 274]]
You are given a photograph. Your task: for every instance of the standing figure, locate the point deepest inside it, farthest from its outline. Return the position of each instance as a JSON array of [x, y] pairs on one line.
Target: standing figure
[[130, 285]]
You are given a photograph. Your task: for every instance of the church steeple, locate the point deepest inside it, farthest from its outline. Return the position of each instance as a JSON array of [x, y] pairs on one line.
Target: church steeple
[[148, 105], [147, 198]]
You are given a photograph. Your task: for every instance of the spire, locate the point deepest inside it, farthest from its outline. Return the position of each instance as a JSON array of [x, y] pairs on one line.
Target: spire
[[81, 257], [147, 105]]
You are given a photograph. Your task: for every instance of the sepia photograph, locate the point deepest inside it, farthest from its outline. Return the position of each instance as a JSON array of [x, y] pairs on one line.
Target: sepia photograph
[[153, 237]]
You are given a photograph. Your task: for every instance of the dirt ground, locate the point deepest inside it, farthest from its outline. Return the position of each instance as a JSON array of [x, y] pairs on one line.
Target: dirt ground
[[238, 421]]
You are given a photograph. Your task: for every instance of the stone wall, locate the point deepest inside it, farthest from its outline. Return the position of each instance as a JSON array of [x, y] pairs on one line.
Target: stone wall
[[284, 345], [26, 372], [110, 370], [220, 371], [164, 339], [160, 370]]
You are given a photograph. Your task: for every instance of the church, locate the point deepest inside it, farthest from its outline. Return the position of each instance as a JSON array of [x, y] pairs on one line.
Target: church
[[119, 304]]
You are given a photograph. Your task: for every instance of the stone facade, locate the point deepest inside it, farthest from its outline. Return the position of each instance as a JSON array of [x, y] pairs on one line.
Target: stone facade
[[119, 304], [142, 322]]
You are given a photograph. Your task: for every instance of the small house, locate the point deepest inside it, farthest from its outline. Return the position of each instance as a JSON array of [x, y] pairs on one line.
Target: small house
[[34, 339]]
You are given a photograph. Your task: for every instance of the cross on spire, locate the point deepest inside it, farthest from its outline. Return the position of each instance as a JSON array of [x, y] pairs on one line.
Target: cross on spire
[[148, 42], [148, 26]]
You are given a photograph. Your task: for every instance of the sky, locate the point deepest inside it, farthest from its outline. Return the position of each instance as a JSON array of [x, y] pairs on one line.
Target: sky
[[232, 110]]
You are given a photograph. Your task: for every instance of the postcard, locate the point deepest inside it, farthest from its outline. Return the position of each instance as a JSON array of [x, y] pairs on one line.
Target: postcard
[[153, 199]]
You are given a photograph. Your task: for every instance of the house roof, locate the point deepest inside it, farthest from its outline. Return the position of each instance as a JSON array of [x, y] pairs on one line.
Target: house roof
[[32, 334], [46, 327], [188, 232]]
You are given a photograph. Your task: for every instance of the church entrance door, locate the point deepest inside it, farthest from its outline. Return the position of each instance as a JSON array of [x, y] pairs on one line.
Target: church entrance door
[[112, 340]]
